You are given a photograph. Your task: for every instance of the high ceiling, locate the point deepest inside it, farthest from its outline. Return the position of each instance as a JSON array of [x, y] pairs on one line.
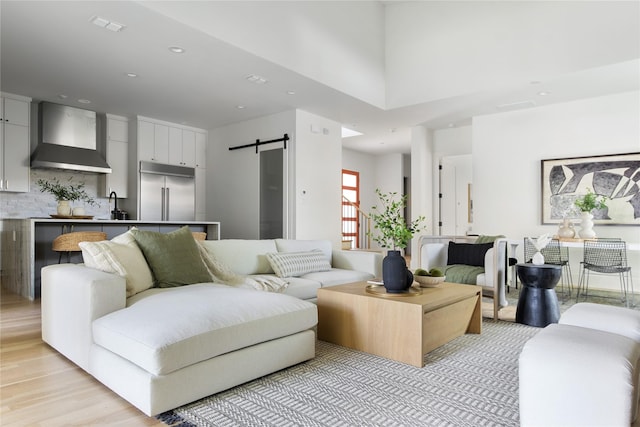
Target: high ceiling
[[51, 49]]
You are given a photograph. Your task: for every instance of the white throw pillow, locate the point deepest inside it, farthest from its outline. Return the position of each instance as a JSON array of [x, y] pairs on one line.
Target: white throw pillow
[[120, 256], [294, 264]]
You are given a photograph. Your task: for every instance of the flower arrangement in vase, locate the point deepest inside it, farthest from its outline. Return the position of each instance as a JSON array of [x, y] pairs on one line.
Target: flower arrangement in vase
[[65, 193], [587, 204], [395, 233]]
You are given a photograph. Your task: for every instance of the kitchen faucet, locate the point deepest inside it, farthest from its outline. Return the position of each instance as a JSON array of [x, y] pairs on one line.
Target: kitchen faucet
[[114, 212]]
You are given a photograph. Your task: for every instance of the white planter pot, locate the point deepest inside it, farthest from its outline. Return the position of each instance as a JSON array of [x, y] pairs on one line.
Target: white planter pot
[[64, 208], [586, 226]]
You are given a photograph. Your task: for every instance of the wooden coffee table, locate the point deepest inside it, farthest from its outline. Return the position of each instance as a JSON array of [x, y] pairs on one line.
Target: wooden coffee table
[[402, 328]]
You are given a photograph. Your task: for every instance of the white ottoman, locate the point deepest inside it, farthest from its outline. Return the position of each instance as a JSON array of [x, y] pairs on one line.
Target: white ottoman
[[618, 320], [574, 376]]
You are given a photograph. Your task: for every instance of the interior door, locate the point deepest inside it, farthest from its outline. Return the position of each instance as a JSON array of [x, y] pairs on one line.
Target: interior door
[[455, 202], [272, 194]]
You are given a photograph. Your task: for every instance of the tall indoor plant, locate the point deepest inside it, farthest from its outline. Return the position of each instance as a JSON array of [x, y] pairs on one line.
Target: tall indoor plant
[[587, 204], [393, 232]]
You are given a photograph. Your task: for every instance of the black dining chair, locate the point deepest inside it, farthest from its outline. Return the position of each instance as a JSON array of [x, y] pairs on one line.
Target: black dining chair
[[606, 256]]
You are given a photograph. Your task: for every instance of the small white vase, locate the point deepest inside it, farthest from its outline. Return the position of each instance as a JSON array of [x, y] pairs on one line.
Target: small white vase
[[78, 211], [64, 208], [586, 226], [537, 259], [565, 230]]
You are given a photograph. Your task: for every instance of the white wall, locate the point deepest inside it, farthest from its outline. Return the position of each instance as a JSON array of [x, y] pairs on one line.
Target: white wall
[[233, 177], [318, 179], [314, 166], [508, 148], [389, 172]]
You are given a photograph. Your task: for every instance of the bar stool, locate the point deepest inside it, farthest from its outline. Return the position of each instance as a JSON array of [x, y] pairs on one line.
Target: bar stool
[[199, 235], [68, 242]]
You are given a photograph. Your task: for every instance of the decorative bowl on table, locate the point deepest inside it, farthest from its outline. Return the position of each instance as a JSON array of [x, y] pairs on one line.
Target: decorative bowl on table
[[429, 281]]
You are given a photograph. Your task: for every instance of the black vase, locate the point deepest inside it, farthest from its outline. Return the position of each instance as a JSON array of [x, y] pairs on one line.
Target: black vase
[[395, 275]]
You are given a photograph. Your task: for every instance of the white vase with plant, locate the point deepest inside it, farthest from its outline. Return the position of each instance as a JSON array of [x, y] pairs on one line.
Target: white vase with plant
[[65, 193], [393, 233], [587, 204]]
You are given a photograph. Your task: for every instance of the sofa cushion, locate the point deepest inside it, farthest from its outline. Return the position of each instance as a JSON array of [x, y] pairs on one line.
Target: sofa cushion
[[302, 288], [178, 327], [293, 264], [120, 256], [338, 276], [242, 256], [174, 257], [467, 253]]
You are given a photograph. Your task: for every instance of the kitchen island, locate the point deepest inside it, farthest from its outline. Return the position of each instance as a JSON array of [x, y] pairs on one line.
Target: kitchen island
[[26, 244]]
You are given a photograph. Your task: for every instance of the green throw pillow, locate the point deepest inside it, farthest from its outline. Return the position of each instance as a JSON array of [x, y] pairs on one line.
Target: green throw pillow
[[174, 258], [488, 239]]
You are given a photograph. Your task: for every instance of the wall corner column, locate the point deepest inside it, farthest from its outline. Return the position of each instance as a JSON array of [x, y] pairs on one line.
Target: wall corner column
[[422, 191]]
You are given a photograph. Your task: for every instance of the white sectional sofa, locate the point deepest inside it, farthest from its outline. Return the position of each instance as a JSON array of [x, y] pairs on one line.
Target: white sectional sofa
[[160, 348]]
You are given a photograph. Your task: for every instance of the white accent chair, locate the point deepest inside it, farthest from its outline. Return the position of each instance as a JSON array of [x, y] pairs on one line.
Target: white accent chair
[[433, 252]]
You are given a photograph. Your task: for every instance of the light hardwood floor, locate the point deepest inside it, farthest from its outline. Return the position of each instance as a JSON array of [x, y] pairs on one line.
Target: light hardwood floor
[[40, 387]]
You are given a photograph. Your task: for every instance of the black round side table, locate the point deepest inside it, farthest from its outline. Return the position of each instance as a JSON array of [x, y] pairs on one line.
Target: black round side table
[[538, 302]]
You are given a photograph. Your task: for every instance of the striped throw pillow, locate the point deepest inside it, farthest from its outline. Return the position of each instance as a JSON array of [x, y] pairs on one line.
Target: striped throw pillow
[[293, 264]]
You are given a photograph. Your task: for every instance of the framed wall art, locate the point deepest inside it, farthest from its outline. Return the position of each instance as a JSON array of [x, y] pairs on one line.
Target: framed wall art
[[616, 176]]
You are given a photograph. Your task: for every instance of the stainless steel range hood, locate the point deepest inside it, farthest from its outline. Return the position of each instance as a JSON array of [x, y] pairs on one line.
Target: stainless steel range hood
[[67, 140]]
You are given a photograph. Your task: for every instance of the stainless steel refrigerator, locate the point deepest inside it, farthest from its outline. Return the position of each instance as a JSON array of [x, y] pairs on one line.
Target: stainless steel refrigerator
[[167, 192]]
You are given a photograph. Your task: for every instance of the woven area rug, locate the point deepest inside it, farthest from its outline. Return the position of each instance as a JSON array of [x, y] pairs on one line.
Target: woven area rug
[[471, 381]]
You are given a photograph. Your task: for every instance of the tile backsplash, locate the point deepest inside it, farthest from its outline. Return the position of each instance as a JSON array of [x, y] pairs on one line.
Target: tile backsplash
[[38, 204]]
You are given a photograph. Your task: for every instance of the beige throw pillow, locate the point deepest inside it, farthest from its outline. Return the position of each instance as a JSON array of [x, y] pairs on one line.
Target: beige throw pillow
[[119, 256]]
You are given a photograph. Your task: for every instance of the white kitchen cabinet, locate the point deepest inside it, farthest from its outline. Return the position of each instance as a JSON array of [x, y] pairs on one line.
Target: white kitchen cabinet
[[201, 150], [14, 143], [182, 147], [153, 142], [117, 156]]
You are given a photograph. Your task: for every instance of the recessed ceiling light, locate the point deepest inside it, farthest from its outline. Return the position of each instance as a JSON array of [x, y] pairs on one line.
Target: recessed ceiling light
[[451, 125], [240, 107], [105, 23], [544, 93], [61, 96], [84, 101], [259, 80], [290, 92], [132, 75], [177, 49]]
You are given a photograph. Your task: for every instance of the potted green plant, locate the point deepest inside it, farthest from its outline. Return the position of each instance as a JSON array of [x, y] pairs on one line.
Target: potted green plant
[[393, 232], [587, 204], [65, 193]]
